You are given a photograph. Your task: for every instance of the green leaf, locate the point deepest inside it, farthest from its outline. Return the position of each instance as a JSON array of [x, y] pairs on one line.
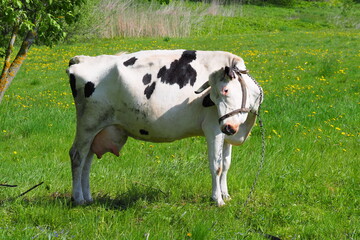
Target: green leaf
[[19, 4]]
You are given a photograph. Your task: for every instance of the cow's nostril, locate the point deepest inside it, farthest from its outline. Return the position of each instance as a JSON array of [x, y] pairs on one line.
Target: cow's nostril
[[228, 130]]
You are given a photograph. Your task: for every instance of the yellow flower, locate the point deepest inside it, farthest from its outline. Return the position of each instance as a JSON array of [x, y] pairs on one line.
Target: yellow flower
[[189, 234], [15, 152]]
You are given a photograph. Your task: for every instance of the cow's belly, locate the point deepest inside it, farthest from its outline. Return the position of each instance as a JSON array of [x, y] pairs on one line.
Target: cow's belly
[[161, 125], [163, 129]]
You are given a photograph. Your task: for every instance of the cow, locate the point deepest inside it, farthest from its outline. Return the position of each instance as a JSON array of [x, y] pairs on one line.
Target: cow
[[160, 96]]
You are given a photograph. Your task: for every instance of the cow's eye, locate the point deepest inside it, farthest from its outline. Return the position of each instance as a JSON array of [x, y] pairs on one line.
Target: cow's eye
[[225, 91]]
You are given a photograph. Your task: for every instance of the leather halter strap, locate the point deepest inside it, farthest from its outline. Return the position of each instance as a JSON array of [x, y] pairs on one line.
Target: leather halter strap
[[244, 96]]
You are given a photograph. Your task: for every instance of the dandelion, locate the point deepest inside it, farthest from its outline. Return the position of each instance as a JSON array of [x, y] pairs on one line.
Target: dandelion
[[4, 131], [188, 234], [14, 152], [337, 128], [297, 149]]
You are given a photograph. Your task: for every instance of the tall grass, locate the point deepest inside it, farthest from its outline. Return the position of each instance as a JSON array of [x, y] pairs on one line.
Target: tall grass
[[131, 18]]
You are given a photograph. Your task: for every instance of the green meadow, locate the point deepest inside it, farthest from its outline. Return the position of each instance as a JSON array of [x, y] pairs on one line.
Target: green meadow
[[308, 188]]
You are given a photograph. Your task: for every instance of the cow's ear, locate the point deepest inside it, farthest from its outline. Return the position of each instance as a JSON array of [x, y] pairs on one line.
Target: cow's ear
[[203, 88], [229, 72]]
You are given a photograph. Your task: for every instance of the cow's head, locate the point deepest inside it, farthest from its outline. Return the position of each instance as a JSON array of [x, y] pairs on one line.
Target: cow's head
[[233, 97]]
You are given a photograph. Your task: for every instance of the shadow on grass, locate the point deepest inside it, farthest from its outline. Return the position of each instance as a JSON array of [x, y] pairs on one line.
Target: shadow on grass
[[135, 195], [138, 194], [123, 201]]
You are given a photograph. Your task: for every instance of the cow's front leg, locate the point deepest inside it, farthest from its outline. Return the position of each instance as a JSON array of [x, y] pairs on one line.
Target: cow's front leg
[[215, 151], [226, 165]]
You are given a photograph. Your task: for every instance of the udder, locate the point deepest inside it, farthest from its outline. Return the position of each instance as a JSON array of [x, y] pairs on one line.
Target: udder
[[110, 139]]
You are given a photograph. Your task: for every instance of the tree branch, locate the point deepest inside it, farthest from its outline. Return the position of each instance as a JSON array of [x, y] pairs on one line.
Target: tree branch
[[9, 75], [8, 53], [22, 194]]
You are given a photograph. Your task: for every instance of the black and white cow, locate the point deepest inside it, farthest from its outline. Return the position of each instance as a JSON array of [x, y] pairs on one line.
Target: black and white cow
[[161, 96]]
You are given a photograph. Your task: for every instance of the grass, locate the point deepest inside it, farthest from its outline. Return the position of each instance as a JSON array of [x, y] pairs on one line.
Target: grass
[[308, 188]]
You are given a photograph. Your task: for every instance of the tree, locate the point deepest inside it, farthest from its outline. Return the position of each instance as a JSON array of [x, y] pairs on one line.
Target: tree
[[34, 21]]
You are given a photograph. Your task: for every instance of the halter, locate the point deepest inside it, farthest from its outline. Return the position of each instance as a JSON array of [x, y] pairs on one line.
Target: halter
[[243, 109]]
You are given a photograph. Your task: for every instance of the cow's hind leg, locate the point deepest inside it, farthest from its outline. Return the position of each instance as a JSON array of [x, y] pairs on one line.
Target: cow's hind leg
[[78, 160], [85, 175], [108, 139]]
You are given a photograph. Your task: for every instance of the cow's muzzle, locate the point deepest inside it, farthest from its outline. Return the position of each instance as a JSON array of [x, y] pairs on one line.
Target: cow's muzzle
[[228, 129]]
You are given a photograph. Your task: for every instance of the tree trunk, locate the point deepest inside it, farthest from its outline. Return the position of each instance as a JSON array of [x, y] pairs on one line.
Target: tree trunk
[[10, 70]]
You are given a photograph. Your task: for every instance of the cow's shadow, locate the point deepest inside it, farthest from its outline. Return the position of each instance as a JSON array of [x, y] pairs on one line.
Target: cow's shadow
[[133, 196], [136, 194]]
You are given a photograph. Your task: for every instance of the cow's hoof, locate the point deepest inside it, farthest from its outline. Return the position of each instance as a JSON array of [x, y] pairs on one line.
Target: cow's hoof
[[89, 201], [226, 197], [220, 203], [78, 202]]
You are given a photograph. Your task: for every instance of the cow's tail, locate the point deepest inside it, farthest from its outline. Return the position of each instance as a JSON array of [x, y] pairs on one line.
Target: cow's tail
[[76, 60], [73, 79]]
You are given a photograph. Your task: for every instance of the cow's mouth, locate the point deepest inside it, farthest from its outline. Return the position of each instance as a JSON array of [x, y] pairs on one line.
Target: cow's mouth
[[228, 129]]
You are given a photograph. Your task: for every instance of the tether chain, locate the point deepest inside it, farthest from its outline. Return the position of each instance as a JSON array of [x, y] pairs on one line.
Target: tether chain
[[262, 160], [263, 147]]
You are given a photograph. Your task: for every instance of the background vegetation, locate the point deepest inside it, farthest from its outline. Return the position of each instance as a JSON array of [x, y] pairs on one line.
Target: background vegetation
[[306, 58], [141, 18]]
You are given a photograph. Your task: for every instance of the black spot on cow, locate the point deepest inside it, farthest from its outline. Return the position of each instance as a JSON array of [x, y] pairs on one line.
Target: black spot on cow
[[180, 71], [144, 132], [73, 85], [130, 62], [89, 89], [146, 79], [149, 90], [207, 102]]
